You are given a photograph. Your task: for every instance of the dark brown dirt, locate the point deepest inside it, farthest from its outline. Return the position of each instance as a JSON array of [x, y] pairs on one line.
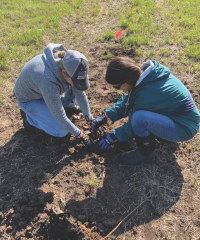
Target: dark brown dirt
[[50, 186], [55, 189]]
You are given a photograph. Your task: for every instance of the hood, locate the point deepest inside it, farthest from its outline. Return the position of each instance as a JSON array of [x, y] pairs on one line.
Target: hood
[[154, 72], [52, 60], [158, 73]]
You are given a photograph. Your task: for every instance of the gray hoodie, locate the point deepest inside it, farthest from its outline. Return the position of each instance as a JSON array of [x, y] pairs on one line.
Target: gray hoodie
[[41, 78]]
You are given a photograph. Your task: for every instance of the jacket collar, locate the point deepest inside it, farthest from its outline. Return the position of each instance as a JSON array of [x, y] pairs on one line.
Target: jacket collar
[[149, 64]]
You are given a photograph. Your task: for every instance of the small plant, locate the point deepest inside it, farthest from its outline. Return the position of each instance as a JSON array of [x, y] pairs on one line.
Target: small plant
[[193, 147], [139, 52], [12, 50], [2, 99], [168, 40], [3, 59], [165, 52], [108, 36], [135, 41], [92, 181], [193, 182], [55, 21], [170, 221], [77, 3], [106, 56], [151, 54], [124, 24], [95, 11], [120, 92], [194, 51]]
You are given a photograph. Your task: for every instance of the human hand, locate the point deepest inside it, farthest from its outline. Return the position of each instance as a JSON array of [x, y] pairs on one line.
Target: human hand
[[87, 141], [106, 142], [98, 122]]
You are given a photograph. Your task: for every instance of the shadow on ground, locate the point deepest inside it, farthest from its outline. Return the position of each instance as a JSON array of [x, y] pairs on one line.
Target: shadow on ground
[[30, 160], [147, 192]]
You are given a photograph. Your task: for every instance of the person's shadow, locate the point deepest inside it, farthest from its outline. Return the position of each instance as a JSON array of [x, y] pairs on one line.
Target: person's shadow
[[130, 195], [28, 161]]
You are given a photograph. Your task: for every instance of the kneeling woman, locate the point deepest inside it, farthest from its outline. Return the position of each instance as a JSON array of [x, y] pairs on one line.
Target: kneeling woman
[[157, 104], [50, 82]]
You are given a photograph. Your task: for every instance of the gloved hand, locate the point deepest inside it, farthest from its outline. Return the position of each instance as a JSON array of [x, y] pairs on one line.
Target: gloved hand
[[87, 141], [98, 122], [107, 141], [89, 119]]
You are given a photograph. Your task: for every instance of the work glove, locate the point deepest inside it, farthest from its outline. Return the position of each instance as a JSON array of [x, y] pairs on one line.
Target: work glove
[[106, 142], [98, 122], [89, 119], [89, 144]]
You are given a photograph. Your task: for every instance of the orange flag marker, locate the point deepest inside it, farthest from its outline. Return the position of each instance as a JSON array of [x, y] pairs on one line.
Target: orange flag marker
[[118, 34]]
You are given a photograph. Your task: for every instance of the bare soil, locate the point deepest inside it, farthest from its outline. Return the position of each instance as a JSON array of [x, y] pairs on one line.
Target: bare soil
[[56, 189]]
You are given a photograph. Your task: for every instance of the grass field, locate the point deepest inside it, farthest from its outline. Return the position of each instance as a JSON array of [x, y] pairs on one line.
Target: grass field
[[154, 26], [27, 25]]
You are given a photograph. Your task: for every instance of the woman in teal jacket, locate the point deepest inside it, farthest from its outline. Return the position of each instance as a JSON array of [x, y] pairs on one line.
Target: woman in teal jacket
[[157, 104]]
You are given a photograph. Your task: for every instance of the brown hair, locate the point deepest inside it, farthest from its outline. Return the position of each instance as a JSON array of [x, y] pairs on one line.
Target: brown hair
[[123, 70], [61, 54]]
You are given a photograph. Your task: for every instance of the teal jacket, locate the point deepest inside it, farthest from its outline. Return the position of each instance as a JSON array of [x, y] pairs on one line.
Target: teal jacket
[[160, 92]]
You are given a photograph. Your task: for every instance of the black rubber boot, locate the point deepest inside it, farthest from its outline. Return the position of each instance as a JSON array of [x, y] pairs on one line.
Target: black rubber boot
[[26, 124], [144, 154]]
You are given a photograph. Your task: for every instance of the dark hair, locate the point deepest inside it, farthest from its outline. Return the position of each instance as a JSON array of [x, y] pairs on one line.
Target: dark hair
[[122, 70]]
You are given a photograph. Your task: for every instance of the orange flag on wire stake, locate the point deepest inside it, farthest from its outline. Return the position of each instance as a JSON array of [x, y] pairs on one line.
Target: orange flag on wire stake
[[118, 34]]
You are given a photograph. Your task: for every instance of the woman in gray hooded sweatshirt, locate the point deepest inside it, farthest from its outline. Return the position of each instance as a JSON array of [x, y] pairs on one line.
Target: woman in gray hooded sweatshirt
[[48, 83]]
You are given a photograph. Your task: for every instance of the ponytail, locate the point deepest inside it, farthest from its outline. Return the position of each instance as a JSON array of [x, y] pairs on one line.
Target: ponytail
[[61, 54]]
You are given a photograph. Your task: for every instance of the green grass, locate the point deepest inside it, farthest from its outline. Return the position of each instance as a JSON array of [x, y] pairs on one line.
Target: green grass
[[108, 35], [171, 28], [138, 23], [106, 56], [2, 99], [194, 51], [147, 22], [25, 26], [3, 59], [151, 54], [96, 11], [165, 52]]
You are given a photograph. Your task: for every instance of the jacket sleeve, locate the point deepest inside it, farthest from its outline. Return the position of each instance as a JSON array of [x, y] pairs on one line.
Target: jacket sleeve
[[82, 99], [118, 110], [124, 133], [52, 99]]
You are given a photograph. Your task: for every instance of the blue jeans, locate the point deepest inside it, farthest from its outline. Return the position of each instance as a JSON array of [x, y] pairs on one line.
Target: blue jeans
[[145, 122], [39, 115]]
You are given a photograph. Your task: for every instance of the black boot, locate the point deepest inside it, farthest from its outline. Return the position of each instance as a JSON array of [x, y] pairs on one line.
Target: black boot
[[144, 154], [26, 124]]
